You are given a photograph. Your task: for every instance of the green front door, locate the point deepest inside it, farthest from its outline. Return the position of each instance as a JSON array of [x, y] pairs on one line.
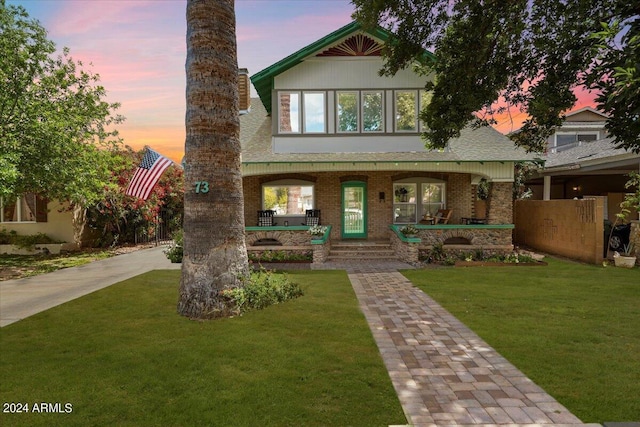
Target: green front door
[[354, 210]]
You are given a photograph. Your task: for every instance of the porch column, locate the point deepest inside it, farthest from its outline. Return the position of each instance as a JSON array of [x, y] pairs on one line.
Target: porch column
[[546, 192]]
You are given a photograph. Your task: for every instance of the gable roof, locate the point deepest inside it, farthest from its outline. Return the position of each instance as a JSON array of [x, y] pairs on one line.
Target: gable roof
[[263, 80], [592, 110]]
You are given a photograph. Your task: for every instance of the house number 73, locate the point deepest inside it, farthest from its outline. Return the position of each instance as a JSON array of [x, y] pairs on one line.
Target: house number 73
[[202, 187]]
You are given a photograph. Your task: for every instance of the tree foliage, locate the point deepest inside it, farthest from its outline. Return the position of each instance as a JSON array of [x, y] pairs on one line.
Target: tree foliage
[[527, 54], [116, 217], [54, 122]]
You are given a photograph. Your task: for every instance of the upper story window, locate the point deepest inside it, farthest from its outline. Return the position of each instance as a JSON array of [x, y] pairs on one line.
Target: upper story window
[[302, 112], [566, 140], [26, 208], [372, 111], [314, 112], [347, 111], [406, 106], [289, 112], [351, 111]]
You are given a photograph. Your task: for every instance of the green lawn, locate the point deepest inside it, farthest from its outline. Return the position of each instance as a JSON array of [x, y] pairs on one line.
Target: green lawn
[[122, 356], [572, 328], [17, 266]]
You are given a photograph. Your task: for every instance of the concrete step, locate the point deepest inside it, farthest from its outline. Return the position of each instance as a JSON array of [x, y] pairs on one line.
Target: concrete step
[[367, 257], [360, 250], [360, 253]]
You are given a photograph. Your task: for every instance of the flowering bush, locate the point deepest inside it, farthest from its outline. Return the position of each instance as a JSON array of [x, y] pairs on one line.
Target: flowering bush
[[317, 230]]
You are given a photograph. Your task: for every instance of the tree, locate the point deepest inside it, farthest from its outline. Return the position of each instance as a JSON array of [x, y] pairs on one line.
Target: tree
[[525, 54], [215, 255], [54, 136], [117, 217]]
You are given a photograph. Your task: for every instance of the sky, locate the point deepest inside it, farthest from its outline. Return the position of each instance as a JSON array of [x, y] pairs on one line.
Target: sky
[[138, 48]]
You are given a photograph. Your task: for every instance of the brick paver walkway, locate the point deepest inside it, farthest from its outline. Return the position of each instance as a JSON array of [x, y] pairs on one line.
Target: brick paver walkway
[[443, 372]]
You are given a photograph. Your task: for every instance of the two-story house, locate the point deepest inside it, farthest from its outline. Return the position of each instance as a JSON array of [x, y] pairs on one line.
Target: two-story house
[[329, 133]]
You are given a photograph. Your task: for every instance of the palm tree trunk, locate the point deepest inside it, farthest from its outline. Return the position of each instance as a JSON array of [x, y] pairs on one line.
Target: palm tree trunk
[[215, 255]]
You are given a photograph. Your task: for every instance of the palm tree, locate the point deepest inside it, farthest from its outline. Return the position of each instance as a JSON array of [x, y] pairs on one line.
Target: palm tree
[[215, 255]]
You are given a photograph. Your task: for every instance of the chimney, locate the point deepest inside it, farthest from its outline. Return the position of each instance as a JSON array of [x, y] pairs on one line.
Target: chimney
[[244, 90]]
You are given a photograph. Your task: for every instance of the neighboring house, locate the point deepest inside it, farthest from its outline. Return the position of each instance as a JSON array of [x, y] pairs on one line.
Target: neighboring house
[[583, 161], [329, 133], [30, 214]]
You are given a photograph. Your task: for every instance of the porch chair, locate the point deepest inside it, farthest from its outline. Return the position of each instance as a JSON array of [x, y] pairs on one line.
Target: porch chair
[[312, 217], [443, 216], [265, 218]]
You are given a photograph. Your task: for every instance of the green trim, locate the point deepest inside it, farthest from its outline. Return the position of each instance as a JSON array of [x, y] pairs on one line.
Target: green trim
[[314, 241], [464, 226], [363, 186], [263, 80], [324, 238]]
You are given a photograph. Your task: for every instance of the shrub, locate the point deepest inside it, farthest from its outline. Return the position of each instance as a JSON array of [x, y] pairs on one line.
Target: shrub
[[175, 251], [262, 289], [280, 256], [24, 241]]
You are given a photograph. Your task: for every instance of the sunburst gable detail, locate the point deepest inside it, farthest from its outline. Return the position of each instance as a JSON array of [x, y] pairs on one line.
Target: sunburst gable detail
[[356, 45]]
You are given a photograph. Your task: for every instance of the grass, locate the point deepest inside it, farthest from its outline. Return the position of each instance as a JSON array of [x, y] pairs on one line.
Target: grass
[[17, 266], [122, 356], [574, 329]]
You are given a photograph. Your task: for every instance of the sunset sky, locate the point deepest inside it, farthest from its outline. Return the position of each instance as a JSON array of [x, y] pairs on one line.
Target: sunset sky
[[138, 48]]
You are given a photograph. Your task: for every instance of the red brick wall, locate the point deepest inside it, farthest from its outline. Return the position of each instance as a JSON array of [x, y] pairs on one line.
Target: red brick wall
[[380, 213]]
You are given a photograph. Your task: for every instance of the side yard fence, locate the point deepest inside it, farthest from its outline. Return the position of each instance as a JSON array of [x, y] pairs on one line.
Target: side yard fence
[[569, 228]]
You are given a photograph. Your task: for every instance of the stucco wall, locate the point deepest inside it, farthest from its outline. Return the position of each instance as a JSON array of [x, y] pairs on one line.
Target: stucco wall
[[59, 225]]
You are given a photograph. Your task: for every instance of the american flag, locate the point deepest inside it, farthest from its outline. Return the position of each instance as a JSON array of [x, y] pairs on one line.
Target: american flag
[[147, 174]]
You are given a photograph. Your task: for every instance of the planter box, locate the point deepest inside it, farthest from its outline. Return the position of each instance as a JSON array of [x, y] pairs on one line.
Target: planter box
[[624, 261], [499, 264]]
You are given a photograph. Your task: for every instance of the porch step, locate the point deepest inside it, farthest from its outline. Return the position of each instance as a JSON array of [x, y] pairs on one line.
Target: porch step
[[369, 250]]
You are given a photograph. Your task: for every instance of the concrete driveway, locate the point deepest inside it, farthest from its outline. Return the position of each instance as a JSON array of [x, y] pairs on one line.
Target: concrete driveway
[[21, 298]]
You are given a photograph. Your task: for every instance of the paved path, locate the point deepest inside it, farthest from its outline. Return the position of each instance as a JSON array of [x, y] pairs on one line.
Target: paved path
[[21, 298], [443, 372]]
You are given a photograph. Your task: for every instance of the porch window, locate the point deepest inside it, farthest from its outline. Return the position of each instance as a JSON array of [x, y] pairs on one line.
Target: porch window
[[432, 198], [26, 208], [417, 197], [404, 203], [288, 197], [406, 108], [372, 111]]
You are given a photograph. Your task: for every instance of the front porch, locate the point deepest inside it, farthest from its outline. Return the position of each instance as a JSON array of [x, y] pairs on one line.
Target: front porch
[[495, 238]]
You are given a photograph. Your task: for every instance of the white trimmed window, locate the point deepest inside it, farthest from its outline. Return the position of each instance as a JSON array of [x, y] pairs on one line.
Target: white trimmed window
[[288, 197], [348, 106], [571, 139], [26, 208], [414, 198], [372, 111], [289, 112], [406, 110]]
